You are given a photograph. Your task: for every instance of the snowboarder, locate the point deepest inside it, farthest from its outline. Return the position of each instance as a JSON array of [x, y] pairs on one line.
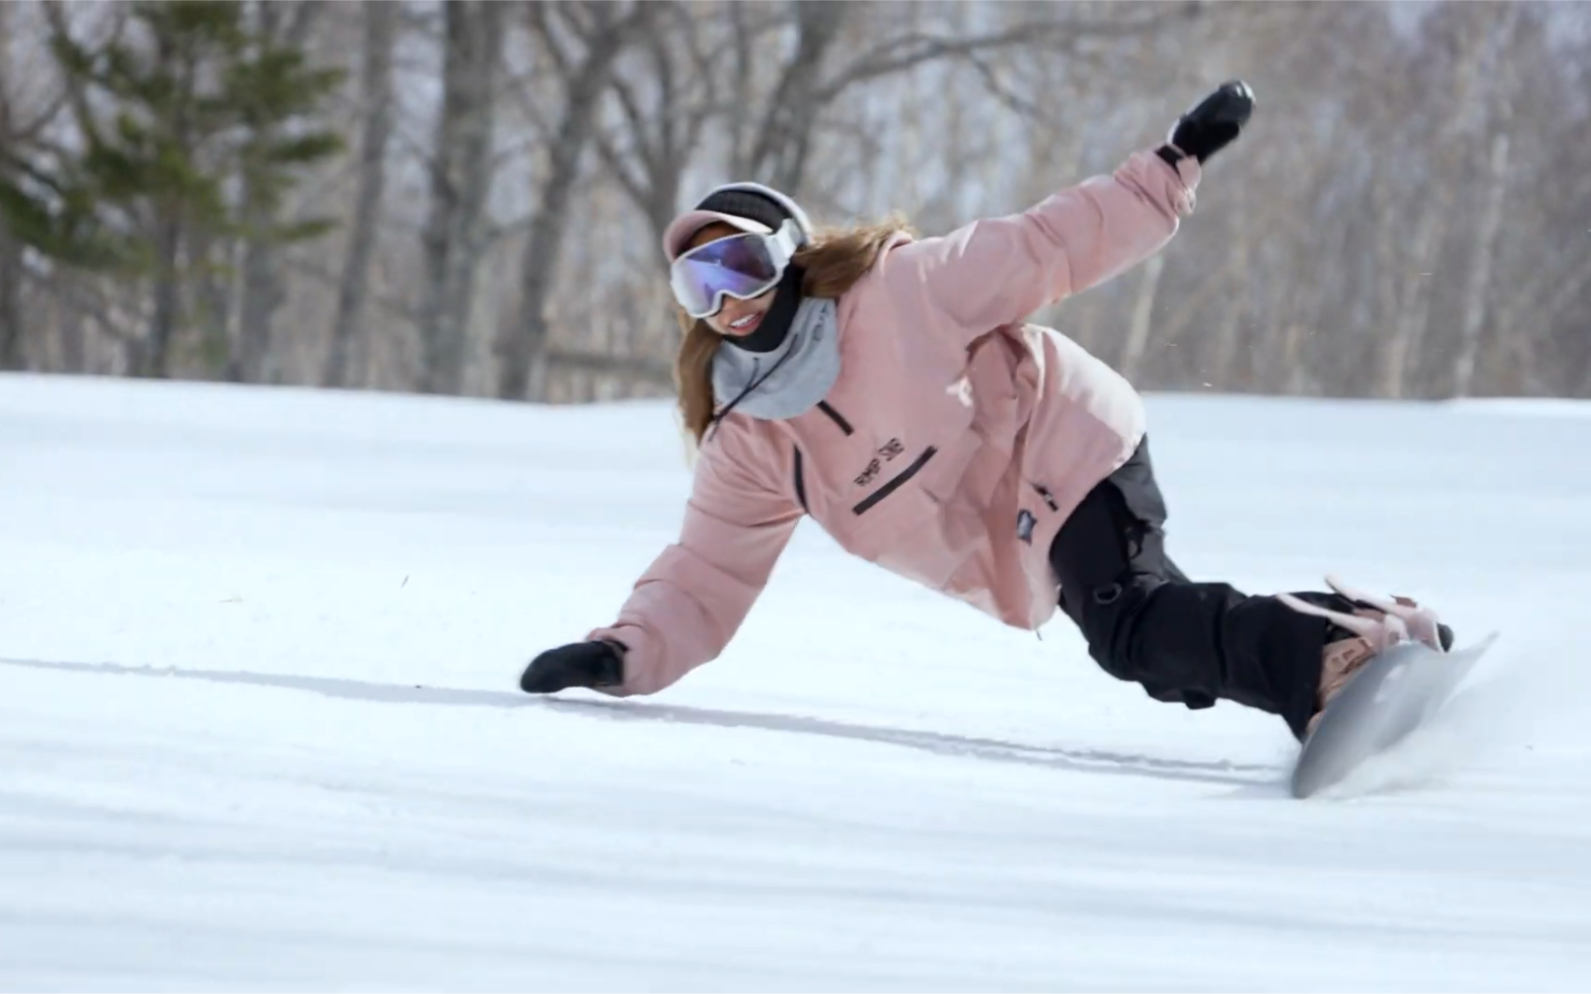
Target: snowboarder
[[891, 388]]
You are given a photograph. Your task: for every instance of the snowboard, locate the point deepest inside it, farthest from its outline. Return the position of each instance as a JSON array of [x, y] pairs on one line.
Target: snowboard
[[1393, 695]]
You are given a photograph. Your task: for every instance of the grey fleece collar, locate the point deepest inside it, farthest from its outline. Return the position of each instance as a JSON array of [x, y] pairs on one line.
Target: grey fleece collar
[[790, 379]]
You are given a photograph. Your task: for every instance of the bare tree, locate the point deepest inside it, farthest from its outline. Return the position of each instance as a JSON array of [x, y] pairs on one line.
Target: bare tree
[[457, 229], [603, 31], [666, 102], [808, 85], [1495, 117], [781, 144], [1362, 239], [347, 353]]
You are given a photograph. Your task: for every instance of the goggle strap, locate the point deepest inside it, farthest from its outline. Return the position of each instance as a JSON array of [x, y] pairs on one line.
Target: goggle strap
[[786, 238]]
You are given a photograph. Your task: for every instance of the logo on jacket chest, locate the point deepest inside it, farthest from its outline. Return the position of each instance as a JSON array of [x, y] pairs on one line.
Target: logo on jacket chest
[[886, 453]]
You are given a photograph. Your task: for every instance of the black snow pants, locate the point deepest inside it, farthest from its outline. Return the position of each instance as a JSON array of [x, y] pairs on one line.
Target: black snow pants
[[1185, 642]]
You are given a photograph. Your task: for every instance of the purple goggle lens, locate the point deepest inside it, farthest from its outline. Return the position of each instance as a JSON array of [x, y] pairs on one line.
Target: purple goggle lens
[[740, 266]]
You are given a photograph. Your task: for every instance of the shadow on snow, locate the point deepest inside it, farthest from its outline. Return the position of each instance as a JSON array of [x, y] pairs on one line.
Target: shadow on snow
[[1081, 760]]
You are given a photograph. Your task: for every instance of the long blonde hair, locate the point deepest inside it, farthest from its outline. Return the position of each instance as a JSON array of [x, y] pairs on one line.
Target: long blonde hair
[[833, 261]]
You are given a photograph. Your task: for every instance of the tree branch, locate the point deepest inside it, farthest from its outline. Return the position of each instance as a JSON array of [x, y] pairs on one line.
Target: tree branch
[[913, 49], [996, 88]]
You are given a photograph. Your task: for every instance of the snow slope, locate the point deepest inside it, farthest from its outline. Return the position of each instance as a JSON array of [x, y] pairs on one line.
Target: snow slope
[[259, 723]]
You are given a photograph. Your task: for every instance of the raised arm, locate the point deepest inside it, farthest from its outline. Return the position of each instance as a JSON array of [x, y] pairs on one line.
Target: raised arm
[[997, 271]]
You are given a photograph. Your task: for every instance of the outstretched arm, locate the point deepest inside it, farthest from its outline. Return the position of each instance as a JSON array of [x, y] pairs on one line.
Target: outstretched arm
[[690, 602]]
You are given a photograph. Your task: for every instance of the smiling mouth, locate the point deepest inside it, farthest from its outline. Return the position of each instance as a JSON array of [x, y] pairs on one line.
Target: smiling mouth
[[745, 323]]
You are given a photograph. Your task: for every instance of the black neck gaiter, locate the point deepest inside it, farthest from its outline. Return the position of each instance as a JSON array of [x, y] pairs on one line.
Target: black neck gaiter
[[770, 334]]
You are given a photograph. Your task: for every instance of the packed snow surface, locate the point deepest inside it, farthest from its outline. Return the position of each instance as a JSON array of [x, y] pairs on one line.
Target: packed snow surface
[[260, 725]]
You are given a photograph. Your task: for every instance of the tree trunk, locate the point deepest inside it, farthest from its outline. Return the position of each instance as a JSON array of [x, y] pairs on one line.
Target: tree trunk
[[215, 298], [1221, 373], [151, 356], [1480, 274], [461, 175], [260, 296], [738, 112], [73, 338], [11, 337], [346, 360], [255, 359], [666, 111], [523, 344], [1386, 313], [1415, 306], [779, 156], [255, 290], [1142, 317]]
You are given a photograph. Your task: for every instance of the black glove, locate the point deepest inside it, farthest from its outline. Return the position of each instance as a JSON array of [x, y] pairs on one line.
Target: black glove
[[583, 664], [1211, 125]]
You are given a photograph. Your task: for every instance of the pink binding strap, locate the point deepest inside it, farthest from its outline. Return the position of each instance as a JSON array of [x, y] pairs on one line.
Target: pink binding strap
[[1400, 621]]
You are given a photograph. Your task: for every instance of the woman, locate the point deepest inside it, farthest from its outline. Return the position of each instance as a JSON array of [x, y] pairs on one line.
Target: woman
[[890, 388]]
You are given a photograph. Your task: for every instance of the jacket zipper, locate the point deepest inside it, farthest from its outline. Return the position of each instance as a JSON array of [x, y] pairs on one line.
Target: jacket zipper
[[836, 417], [895, 482], [1049, 498]]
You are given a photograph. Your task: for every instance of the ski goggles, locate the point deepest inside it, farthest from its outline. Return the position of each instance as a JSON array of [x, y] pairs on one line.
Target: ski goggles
[[740, 266]]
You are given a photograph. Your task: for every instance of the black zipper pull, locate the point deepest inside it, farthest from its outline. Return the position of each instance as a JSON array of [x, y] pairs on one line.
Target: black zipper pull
[[1048, 498]]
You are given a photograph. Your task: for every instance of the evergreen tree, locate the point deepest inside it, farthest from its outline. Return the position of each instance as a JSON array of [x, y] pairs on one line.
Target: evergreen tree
[[193, 125]]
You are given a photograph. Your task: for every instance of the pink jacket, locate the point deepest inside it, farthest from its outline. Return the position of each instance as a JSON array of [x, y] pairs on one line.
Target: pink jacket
[[950, 418]]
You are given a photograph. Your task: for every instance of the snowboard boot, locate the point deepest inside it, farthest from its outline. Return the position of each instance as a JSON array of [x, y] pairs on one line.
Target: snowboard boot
[[1353, 638]]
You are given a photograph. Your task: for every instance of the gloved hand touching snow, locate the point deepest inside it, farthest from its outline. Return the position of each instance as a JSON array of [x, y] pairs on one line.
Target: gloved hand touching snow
[[1210, 125], [582, 664]]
